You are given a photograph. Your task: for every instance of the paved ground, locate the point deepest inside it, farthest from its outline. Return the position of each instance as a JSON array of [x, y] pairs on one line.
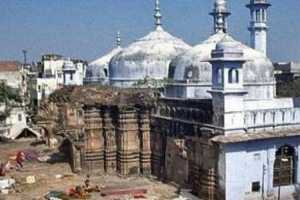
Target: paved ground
[[46, 180]]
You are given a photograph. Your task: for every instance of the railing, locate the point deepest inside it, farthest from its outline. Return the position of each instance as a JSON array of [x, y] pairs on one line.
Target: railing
[[272, 117]]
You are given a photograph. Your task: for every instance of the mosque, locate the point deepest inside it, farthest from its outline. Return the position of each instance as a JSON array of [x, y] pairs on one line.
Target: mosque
[[218, 127]]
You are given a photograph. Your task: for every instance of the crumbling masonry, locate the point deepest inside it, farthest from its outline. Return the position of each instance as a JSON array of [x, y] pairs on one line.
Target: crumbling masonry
[[126, 131]]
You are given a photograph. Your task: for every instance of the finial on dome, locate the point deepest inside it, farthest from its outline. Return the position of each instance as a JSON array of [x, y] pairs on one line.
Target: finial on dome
[[220, 14], [118, 39], [157, 14]]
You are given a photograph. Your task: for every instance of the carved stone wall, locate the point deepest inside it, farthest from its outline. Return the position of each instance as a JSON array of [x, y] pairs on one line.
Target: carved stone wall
[[181, 147], [114, 140]]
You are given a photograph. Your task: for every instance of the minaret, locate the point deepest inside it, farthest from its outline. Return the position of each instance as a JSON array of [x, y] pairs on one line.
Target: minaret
[[220, 14], [258, 24], [157, 15], [118, 41], [228, 86]]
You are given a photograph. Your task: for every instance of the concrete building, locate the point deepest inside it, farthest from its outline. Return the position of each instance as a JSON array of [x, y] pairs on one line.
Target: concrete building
[[13, 75], [286, 71], [13, 123], [54, 72], [15, 98]]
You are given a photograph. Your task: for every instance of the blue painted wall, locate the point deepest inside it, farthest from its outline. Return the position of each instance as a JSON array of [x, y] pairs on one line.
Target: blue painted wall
[[241, 164]]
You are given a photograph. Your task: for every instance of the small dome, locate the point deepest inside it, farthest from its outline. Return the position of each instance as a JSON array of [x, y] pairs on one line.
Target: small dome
[[227, 44], [228, 48], [193, 63], [193, 67], [149, 56], [97, 70]]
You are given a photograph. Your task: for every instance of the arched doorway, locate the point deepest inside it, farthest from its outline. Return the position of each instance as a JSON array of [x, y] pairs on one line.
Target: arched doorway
[[284, 166]]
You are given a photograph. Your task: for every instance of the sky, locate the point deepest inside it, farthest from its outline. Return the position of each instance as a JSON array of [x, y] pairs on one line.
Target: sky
[[87, 29]]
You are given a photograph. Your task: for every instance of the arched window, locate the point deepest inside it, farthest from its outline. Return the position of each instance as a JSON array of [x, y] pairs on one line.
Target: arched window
[[284, 166], [105, 72], [220, 76], [264, 16], [257, 15], [233, 76]]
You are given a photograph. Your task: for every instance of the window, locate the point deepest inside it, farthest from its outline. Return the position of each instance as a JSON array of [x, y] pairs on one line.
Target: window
[[220, 76], [20, 117], [284, 166], [264, 17], [105, 73], [256, 186], [233, 76], [257, 15], [71, 77]]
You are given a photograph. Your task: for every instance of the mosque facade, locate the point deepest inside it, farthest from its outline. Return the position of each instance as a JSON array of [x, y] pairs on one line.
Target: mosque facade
[[218, 127]]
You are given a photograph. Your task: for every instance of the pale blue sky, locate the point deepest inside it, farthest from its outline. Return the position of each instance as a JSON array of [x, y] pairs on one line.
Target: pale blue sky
[[87, 28]]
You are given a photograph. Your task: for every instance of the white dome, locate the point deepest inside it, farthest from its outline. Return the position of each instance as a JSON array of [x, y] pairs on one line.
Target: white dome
[[193, 67], [97, 70], [149, 56]]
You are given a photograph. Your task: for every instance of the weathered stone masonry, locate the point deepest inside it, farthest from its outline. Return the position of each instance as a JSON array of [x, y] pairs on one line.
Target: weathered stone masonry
[[105, 137], [114, 135]]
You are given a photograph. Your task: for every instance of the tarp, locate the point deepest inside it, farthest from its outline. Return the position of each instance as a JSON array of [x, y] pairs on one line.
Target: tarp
[[7, 183]]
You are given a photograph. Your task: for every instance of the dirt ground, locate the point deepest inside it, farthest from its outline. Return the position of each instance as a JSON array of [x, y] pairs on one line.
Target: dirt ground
[[47, 178]]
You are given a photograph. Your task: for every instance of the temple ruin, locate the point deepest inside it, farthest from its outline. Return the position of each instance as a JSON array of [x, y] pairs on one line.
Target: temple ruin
[[105, 130]]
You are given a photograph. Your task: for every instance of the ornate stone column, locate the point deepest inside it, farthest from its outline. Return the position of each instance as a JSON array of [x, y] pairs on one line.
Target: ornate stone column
[[145, 151], [94, 140], [110, 141], [128, 143]]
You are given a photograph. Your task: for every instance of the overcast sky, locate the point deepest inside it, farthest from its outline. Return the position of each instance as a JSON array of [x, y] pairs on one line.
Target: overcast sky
[[86, 28]]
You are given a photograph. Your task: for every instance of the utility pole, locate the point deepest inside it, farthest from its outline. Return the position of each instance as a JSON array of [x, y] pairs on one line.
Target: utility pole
[[25, 56]]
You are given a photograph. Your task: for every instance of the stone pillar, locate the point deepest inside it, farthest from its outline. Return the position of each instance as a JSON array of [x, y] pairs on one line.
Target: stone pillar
[[128, 143], [110, 142], [76, 158], [157, 158], [208, 184], [94, 141], [208, 170], [145, 152]]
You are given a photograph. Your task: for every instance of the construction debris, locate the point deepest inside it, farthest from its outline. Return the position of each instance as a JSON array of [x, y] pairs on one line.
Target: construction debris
[[6, 185], [30, 179], [127, 191], [56, 195]]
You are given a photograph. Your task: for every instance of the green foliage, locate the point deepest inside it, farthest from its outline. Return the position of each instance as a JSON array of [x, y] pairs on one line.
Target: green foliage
[[289, 89], [9, 94]]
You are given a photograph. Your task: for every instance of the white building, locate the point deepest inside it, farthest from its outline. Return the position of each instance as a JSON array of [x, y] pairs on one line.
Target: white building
[[55, 72], [256, 136], [13, 123]]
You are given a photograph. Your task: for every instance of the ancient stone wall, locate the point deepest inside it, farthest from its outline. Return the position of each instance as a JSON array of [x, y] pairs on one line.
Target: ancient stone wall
[[112, 136], [114, 140], [181, 147], [108, 129]]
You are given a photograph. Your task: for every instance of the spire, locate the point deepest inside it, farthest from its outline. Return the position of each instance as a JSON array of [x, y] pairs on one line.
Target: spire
[[220, 14], [157, 14], [258, 24], [118, 41]]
